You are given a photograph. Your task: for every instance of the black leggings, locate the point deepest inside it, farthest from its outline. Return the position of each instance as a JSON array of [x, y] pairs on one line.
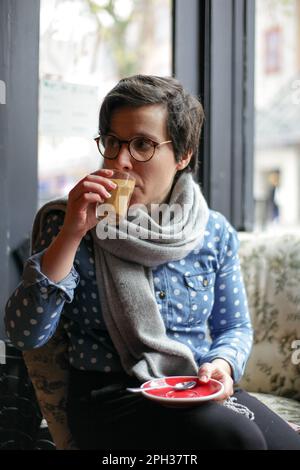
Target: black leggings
[[102, 415]]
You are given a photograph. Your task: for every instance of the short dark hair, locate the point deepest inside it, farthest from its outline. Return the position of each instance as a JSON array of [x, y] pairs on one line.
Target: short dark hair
[[185, 113]]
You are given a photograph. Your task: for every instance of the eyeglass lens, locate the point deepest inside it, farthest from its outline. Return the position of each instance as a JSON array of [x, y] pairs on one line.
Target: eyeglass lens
[[140, 148]]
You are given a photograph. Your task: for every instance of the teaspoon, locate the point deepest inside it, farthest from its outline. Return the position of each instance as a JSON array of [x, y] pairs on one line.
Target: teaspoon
[[178, 386]]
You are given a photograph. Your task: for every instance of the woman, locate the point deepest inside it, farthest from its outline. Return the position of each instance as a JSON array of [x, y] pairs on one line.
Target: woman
[[139, 308]]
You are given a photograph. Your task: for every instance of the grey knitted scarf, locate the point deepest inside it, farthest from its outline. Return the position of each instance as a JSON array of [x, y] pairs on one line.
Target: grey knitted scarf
[[125, 283], [123, 268]]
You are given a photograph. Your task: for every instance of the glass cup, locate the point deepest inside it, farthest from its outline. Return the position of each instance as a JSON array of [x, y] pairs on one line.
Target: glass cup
[[120, 196]]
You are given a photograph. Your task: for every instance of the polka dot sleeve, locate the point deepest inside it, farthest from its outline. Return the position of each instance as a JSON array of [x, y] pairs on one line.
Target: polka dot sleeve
[[34, 308], [229, 324]]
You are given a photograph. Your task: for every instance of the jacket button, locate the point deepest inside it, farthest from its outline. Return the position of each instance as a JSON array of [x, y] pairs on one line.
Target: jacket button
[[162, 294], [205, 282]]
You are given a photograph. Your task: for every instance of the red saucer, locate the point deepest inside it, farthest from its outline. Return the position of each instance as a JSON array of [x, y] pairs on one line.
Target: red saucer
[[170, 397]]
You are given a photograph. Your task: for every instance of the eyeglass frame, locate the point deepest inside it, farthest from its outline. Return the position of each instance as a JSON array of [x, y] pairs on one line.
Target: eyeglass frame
[[128, 142]]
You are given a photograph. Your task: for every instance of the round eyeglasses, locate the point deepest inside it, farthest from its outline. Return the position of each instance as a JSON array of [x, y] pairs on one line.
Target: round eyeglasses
[[141, 149]]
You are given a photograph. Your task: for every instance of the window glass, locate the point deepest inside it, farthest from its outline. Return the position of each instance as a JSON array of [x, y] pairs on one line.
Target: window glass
[[277, 116], [86, 46]]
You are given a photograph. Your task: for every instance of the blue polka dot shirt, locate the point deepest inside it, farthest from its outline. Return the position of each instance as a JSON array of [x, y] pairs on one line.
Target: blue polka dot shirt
[[201, 299]]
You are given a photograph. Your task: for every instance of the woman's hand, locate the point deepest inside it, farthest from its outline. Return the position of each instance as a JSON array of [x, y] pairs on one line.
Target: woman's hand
[[80, 217], [220, 370], [83, 198]]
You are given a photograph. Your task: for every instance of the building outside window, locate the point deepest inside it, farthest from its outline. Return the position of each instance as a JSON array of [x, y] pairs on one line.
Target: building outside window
[[86, 46], [277, 117]]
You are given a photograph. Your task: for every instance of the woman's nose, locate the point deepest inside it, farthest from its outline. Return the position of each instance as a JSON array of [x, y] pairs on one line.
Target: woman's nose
[[123, 160]]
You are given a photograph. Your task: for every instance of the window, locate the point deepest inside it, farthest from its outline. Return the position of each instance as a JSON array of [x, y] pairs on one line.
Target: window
[[86, 46], [277, 115], [214, 58]]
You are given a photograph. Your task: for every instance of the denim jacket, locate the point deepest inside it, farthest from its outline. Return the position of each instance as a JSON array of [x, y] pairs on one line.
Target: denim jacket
[[201, 298]]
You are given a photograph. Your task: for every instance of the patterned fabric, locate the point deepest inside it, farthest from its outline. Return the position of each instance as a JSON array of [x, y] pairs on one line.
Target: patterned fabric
[[200, 295], [271, 268], [48, 370]]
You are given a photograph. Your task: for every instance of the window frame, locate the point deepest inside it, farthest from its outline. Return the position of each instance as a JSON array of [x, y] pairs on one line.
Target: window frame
[[19, 64], [213, 56]]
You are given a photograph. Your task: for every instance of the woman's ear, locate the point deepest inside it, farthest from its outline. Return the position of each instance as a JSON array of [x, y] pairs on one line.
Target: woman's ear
[[184, 161]]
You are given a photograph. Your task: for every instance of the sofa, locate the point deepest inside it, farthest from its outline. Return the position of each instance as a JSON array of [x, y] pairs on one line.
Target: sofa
[[271, 269]]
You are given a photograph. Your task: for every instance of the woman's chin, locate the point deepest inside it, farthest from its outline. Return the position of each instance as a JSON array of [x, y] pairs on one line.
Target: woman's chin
[[136, 198]]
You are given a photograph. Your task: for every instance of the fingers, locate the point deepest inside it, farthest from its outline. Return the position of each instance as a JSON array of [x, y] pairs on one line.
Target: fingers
[[228, 392], [103, 171], [205, 372], [102, 177], [86, 199], [90, 187], [210, 371], [93, 184], [228, 388], [100, 180]]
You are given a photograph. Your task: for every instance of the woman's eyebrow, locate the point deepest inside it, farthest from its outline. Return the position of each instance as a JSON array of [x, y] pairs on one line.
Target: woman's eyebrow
[[137, 134]]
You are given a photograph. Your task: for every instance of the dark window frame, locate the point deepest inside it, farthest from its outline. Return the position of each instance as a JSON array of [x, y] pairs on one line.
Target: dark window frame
[[213, 56], [19, 65]]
